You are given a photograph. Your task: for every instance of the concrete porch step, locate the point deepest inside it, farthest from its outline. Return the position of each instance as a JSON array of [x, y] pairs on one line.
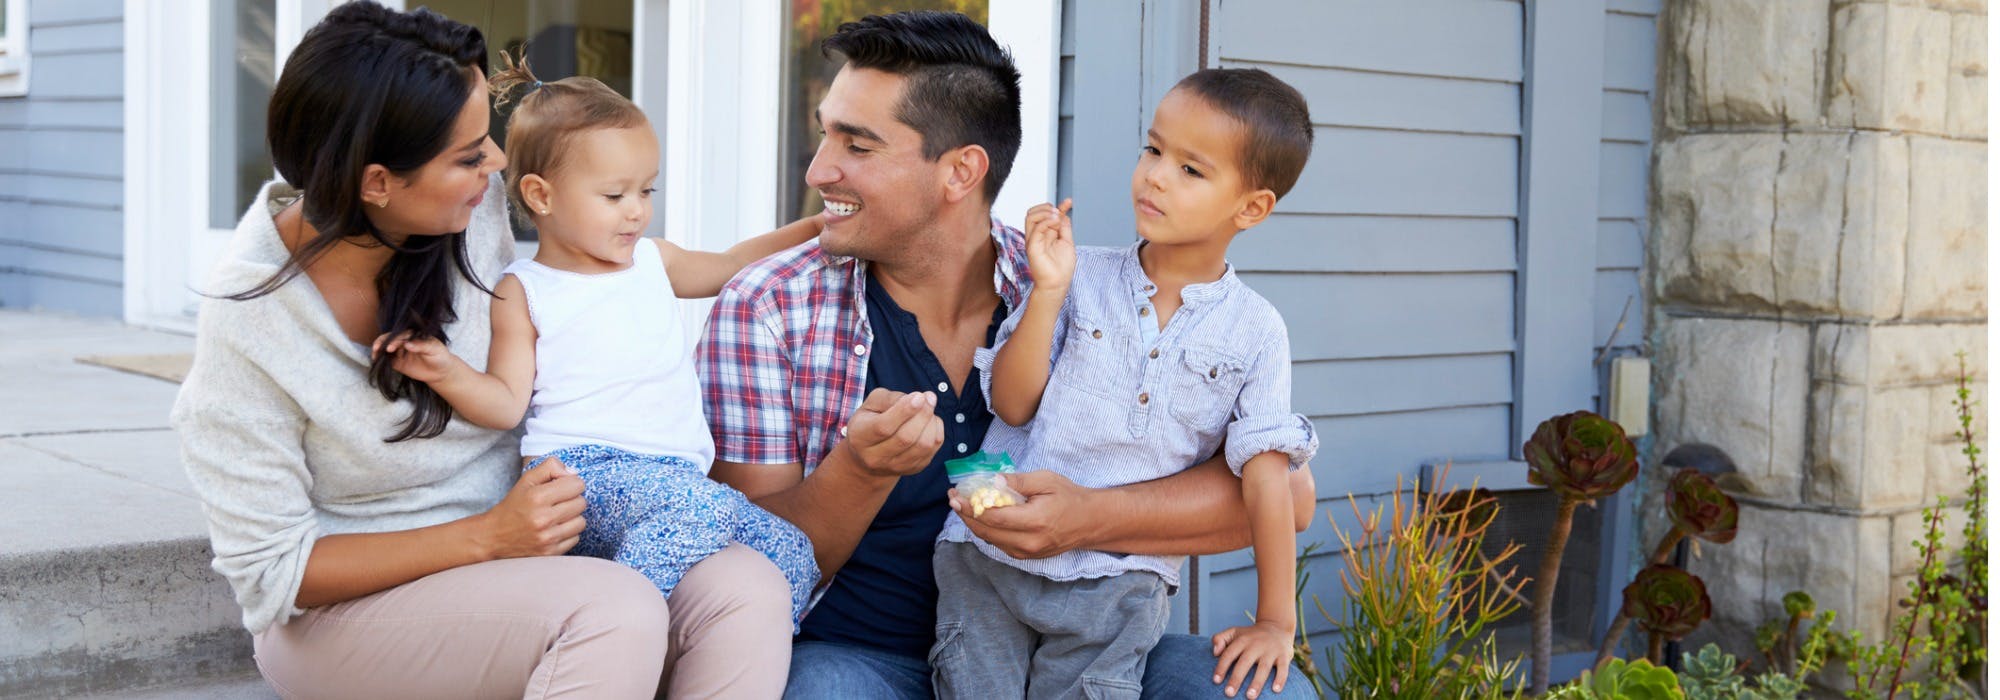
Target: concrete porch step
[[104, 578]]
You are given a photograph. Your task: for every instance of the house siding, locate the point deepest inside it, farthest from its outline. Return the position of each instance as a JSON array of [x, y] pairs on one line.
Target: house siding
[[62, 164]]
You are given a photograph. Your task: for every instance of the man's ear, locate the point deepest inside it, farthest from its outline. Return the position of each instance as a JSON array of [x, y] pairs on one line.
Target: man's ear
[[1255, 208], [535, 193], [377, 185], [967, 172]]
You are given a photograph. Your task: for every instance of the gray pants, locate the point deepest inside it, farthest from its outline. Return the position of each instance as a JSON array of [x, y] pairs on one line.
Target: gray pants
[[1006, 633]]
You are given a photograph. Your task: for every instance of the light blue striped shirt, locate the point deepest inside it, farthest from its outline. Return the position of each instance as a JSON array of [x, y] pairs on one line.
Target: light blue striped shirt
[[1128, 401]]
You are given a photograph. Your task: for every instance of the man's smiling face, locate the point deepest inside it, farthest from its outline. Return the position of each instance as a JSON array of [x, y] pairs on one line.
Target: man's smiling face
[[880, 191]]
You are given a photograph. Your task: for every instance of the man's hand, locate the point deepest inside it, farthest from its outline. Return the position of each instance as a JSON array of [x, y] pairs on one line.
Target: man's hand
[[1051, 521], [894, 434]]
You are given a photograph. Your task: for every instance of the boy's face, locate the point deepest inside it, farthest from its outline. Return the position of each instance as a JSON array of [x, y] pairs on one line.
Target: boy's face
[[870, 169], [1188, 186], [602, 197]]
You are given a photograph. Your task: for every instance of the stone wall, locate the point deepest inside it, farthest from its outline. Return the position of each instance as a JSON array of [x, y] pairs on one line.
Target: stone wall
[[1819, 256]]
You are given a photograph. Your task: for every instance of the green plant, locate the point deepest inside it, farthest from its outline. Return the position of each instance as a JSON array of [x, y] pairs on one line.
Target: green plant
[[1939, 638], [1668, 603], [1697, 508], [1581, 457], [1638, 680], [1712, 674], [1421, 596]]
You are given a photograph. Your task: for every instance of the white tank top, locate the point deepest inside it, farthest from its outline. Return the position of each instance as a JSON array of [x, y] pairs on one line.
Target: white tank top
[[612, 365]]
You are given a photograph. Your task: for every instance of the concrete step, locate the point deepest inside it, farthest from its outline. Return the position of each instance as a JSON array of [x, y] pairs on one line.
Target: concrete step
[[241, 686], [104, 577]]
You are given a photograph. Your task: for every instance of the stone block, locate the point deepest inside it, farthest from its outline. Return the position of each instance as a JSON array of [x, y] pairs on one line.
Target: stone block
[[1946, 277], [1842, 560], [1879, 355], [1965, 105], [1870, 447], [1740, 385], [1889, 66], [1715, 204], [1744, 62], [1808, 223]]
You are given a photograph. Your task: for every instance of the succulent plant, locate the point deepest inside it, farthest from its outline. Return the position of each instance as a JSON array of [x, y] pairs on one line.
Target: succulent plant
[[1701, 509], [1581, 456], [1667, 601]]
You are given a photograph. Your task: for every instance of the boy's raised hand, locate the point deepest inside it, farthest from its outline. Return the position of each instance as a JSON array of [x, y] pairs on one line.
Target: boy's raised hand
[[423, 359], [1051, 249]]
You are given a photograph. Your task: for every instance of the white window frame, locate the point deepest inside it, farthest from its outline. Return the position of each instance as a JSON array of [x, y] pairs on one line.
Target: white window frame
[[14, 59], [723, 121], [717, 115]]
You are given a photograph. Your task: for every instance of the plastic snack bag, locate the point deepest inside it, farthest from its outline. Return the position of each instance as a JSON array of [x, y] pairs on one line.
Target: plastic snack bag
[[978, 480]]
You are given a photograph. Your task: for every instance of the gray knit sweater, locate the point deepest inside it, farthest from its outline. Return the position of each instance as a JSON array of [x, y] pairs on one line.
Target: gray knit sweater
[[283, 437]]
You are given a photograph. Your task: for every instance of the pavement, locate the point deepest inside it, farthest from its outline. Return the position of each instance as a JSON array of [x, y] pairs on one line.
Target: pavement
[[105, 588]]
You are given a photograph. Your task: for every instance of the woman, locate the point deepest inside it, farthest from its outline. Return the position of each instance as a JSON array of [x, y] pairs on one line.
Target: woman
[[379, 546]]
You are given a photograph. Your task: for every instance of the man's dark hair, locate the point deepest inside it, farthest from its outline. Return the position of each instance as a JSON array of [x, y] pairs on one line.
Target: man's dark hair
[[1277, 130], [962, 87]]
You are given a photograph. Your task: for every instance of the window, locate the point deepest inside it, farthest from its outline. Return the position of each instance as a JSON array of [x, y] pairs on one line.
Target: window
[[243, 67], [13, 48], [808, 74], [563, 38]]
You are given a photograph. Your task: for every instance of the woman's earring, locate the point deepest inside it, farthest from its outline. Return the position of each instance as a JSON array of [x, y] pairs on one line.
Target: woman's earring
[[384, 204]]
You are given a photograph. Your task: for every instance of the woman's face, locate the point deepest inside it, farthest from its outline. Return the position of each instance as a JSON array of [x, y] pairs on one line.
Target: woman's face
[[438, 197]]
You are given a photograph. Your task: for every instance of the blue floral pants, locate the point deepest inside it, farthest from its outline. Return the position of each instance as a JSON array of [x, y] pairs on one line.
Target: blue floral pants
[[662, 515]]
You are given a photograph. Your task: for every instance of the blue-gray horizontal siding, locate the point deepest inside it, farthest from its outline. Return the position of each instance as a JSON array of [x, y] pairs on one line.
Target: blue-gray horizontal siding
[[1624, 171], [1394, 258], [62, 164]]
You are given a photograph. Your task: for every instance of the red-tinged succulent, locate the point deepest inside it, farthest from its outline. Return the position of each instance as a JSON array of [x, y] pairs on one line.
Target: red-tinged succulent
[[1667, 601], [1700, 509], [1581, 456]]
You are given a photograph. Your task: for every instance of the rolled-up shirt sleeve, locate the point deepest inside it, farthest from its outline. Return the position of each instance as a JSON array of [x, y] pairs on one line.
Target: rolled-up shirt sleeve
[[242, 442], [1262, 420], [983, 358], [746, 378]]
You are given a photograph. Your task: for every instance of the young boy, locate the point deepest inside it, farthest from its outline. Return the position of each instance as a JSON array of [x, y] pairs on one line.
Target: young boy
[[1126, 365]]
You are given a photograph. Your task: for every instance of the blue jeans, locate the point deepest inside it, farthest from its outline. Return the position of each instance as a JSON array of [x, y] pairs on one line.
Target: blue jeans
[[1179, 667]]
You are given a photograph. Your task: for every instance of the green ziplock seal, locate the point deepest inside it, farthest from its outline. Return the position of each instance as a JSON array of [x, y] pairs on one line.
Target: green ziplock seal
[[979, 463]]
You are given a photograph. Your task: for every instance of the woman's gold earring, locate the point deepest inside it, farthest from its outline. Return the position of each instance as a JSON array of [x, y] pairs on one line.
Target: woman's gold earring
[[383, 204]]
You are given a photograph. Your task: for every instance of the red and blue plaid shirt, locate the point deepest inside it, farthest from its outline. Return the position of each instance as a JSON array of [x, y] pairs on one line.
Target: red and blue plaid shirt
[[785, 359]]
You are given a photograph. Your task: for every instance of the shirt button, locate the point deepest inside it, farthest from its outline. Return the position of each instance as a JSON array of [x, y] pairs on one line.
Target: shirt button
[[1145, 311], [944, 387], [960, 418], [1154, 355], [961, 448], [1144, 397], [860, 349], [843, 431], [1097, 334]]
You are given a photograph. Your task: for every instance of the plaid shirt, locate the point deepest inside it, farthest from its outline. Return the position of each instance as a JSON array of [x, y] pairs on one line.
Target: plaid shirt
[[785, 360]]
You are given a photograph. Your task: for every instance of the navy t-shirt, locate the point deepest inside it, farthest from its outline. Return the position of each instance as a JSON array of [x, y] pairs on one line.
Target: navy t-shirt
[[885, 596]]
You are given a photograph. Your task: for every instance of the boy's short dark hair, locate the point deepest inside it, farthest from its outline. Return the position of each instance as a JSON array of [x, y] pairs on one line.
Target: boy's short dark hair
[[963, 88], [1277, 128]]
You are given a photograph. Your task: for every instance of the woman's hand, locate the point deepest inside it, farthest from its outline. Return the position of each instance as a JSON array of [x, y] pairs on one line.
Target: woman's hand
[[541, 516], [423, 359], [1051, 249]]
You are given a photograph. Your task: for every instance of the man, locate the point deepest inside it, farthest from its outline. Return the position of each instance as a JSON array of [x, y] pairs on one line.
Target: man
[[838, 375]]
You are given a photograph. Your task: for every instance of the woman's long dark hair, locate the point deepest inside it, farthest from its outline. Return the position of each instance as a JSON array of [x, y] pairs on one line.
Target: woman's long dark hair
[[369, 85]]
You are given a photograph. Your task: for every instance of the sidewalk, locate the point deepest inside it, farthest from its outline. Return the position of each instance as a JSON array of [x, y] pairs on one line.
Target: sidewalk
[[104, 578]]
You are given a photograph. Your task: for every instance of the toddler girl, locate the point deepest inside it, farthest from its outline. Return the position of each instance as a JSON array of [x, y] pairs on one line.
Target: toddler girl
[[588, 345]]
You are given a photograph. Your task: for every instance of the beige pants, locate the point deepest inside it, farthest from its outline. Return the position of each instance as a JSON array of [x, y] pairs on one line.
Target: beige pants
[[545, 627]]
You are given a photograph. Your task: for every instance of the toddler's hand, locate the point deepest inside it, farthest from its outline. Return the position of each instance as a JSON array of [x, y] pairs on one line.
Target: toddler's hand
[[423, 359], [1264, 647], [1051, 249]]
